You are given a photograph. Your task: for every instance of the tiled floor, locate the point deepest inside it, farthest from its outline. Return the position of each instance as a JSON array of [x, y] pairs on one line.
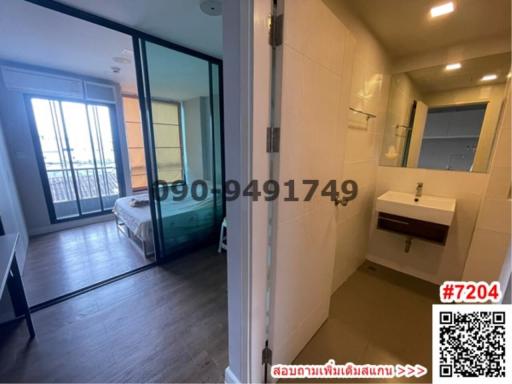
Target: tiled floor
[[64, 261], [378, 316], [166, 324]]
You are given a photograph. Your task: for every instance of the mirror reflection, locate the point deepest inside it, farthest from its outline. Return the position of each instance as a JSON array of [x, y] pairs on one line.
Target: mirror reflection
[[445, 116]]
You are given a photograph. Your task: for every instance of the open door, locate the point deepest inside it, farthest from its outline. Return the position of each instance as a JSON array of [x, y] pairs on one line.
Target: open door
[[418, 127], [311, 111]]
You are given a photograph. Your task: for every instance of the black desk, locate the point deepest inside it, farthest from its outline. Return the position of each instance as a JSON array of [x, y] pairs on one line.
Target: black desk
[[10, 276]]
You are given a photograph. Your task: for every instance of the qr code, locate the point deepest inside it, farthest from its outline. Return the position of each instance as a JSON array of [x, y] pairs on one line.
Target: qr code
[[469, 341]]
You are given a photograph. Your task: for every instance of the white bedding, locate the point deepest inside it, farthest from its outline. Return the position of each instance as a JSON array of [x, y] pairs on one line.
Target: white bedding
[[138, 219]]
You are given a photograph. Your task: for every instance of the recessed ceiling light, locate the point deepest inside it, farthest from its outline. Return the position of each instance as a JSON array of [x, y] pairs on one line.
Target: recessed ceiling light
[[489, 77], [121, 60], [451, 67], [509, 75], [442, 9]]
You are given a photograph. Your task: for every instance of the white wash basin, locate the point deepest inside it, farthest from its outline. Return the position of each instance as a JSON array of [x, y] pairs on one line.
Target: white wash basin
[[433, 209]]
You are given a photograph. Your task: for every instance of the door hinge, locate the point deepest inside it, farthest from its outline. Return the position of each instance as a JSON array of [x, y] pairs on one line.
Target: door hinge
[[273, 139], [266, 355], [275, 38]]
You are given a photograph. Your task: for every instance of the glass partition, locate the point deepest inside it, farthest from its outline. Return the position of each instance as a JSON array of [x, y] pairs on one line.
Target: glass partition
[[185, 130]]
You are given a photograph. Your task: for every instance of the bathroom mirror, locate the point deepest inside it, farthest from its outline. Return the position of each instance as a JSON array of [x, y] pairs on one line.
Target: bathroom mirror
[[445, 116]]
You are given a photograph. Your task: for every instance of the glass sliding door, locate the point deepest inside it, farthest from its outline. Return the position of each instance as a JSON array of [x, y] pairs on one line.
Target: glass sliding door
[[184, 117], [76, 151]]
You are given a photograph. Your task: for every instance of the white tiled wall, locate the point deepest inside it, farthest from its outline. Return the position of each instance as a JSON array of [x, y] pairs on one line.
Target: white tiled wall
[[317, 58], [489, 255], [369, 72]]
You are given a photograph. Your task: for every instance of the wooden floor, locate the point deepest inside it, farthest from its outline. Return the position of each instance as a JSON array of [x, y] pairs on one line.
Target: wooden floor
[[166, 324], [64, 261]]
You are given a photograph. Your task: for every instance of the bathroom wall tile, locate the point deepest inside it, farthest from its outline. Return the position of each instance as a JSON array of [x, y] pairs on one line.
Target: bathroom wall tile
[[315, 32], [490, 246], [499, 183], [363, 172], [486, 255], [360, 145], [398, 179], [450, 184], [495, 215], [352, 244], [363, 203]]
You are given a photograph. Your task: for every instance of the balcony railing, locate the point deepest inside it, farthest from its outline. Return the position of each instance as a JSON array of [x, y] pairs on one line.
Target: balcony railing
[[61, 183]]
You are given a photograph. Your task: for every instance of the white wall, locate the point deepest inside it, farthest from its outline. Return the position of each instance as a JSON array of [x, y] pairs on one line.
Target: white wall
[[12, 217], [237, 66], [490, 252], [429, 261], [24, 164], [368, 71]]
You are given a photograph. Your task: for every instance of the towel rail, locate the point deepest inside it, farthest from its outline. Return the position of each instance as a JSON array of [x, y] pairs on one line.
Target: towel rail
[[368, 115]]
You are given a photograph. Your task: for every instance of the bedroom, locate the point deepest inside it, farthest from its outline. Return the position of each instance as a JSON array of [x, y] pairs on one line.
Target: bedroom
[[84, 152]]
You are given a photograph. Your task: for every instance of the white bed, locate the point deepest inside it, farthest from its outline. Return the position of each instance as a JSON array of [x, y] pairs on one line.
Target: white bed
[[181, 220]]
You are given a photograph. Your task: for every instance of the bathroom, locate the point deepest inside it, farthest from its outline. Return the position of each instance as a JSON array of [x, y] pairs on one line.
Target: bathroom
[[363, 90]]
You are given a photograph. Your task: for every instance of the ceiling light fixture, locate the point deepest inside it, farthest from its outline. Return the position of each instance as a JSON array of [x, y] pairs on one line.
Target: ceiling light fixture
[[442, 9], [509, 75], [121, 60], [211, 7], [451, 67], [489, 77]]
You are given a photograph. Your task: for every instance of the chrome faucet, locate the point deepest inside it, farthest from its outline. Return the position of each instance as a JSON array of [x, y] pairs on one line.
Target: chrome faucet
[[419, 189]]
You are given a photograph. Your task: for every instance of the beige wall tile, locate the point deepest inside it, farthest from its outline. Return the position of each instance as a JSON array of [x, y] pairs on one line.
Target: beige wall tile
[[486, 255], [495, 215], [499, 183]]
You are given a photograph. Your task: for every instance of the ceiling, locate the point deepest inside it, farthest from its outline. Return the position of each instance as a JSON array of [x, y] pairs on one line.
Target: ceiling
[[179, 21], [405, 28], [38, 36], [437, 78]]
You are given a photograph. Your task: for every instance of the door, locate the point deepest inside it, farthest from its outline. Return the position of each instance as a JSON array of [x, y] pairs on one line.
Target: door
[[418, 127], [77, 154], [185, 147], [311, 99]]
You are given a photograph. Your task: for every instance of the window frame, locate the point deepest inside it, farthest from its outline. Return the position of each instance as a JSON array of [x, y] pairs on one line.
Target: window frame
[[42, 165], [484, 104], [182, 180]]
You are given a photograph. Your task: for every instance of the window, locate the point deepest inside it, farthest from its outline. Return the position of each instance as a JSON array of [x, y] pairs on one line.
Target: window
[[451, 137], [75, 145], [167, 130], [133, 126]]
